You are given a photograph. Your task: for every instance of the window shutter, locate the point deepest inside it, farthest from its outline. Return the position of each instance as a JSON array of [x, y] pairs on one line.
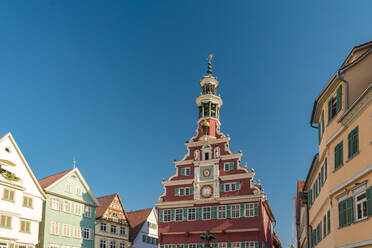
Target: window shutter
[[329, 221], [349, 210], [325, 170], [242, 210], [322, 122], [242, 245], [256, 209], [174, 246], [222, 187], [2, 220], [191, 190], [186, 245], [184, 211], [200, 245], [349, 139], [198, 213], [161, 215], [341, 153], [325, 225], [182, 171], [214, 212], [228, 245], [369, 201], [339, 98], [309, 197], [340, 214], [172, 214], [237, 185], [320, 231], [256, 244], [321, 176], [329, 110], [177, 191], [214, 245], [231, 166], [357, 139], [162, 246], [228, 211], [11, 195]]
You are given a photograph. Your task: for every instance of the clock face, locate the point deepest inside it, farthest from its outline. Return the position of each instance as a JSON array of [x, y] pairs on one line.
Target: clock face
[[206, 172], [206, 191]]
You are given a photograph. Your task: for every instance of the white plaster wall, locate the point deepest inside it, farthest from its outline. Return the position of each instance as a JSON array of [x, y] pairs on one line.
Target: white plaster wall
[[145, 230], [33, 215]]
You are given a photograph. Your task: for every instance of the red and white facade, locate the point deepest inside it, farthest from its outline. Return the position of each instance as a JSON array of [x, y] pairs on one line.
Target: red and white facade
[[211, 190]]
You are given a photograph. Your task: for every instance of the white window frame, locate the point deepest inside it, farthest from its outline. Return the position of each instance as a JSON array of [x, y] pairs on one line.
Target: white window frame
[[222, 209], [54, 228], [206, 213], [249, 210], [68, 188], [362, 203], [87, 233], [103, 226], [123, 233], [235, 211], [102, 243], [167, 214], [178, 214], [87, 212], [222, 245], [113, 229], [191, 212]]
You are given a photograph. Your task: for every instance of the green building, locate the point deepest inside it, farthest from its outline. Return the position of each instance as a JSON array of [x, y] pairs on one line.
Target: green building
[[68, 213]]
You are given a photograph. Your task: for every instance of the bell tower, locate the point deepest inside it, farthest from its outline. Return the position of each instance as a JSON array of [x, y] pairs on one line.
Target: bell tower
[[209, 105]]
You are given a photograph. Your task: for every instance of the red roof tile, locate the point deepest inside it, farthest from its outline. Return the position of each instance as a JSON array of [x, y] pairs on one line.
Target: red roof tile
[[104, 203], [46, 181], [136, 220]]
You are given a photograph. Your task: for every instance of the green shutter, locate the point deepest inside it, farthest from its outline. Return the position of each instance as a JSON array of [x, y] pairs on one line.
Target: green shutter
[[242, 209], [321, 176], [322, 122], [357, 139], [200, 245], [222, 187], [214, 212], [214, 245], [161, 219], [237, 185], [329, 221], [177, 191], [325, 225], [309, 197], [228, 245], [173, 214], [320, 231], [242, 245], [341, 152], [191, 190], [184, 211], [231, 166], [256, 244], [341, 214], [329, 110], [325, 170], [186, 245], [228, 211], [369, 201], [350, 143], [256, 209], [182, 171], [174, 246], [349, 210], [339, 99], [198, 213], [161, 246]]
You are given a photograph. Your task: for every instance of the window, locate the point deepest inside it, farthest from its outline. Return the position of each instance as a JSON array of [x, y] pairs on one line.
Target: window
[[77, 232], [185, 171], [229, 166], [87, 212], [222, 245], [103, 227], [334, 104], [192, 245], [249, 210], [55, 204], [235, 211], [78, 191], [329, 222], [5, 221], [144, 238], [54, 228], [321, 126], [122, 231], [325, 225], [179, 246], [25, 226], [152, 225], [221, 212], [206, 155], [113, 229], [206, 213], [178, 214], [68, 188], [67, 206], [361, 206], [27, 202], [167, 215], [102, 244], [183, 191], [112, 244], [122, 245], [66, 230], [78, 209], [87, 233], [235, 245], [8, 195], [353, 142], [251, 244], [191, 213], [339, 155]]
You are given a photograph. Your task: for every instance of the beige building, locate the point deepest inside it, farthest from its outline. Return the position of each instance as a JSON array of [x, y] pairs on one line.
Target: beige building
[[338, 186], [112, 226]]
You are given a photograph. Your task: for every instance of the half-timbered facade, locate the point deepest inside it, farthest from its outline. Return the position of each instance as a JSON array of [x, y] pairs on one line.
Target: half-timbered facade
[[211, 190]]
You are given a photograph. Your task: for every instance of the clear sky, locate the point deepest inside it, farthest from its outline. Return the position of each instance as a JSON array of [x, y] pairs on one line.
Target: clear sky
[[113, 84]]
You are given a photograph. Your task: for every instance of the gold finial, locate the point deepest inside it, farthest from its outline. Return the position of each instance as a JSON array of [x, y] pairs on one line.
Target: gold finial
[[211, 56]]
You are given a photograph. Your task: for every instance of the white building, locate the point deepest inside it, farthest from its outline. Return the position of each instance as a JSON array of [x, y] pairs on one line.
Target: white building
[[144, 228], [21, 198]]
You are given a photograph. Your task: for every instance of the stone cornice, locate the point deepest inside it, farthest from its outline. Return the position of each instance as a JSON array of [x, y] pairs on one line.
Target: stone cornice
[[237, 176], [214, 231], [178, 182], [357, 107], [183, 162], [208, 141], [207, 98], [206, 162], [231, 156]]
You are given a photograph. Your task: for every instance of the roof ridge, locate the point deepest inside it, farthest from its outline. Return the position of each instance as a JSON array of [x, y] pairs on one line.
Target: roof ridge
[[55, 174], [139, 210]]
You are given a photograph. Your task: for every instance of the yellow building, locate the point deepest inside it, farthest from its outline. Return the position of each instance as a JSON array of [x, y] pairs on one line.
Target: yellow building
[[339, 181], [112, 224]]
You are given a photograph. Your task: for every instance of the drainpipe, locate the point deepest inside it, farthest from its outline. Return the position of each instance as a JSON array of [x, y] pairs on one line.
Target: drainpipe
[[340, 76]]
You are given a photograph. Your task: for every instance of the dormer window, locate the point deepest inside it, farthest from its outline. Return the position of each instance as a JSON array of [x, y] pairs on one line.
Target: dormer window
[[334, 104]]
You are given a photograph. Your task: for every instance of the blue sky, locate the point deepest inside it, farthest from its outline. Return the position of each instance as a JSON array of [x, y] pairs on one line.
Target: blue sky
[[113, 84]]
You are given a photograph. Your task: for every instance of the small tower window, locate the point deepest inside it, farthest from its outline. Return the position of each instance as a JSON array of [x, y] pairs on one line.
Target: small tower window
[[206, 156]]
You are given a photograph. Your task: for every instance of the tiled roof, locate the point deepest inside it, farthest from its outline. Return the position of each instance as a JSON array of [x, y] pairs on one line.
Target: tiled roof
[[300, 185], [104, 203], [136, 220], [46, 181]]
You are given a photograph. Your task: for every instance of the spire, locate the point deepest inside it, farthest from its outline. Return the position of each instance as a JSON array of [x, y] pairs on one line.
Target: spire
[[209, 70], [74, 162]]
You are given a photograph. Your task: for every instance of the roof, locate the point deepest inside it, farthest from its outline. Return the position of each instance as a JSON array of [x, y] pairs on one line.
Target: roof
[[46, 181], [345, 66], [136, 220], [313, 162], [104, 203], [300, 185], [269, 212], [276, 241]]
